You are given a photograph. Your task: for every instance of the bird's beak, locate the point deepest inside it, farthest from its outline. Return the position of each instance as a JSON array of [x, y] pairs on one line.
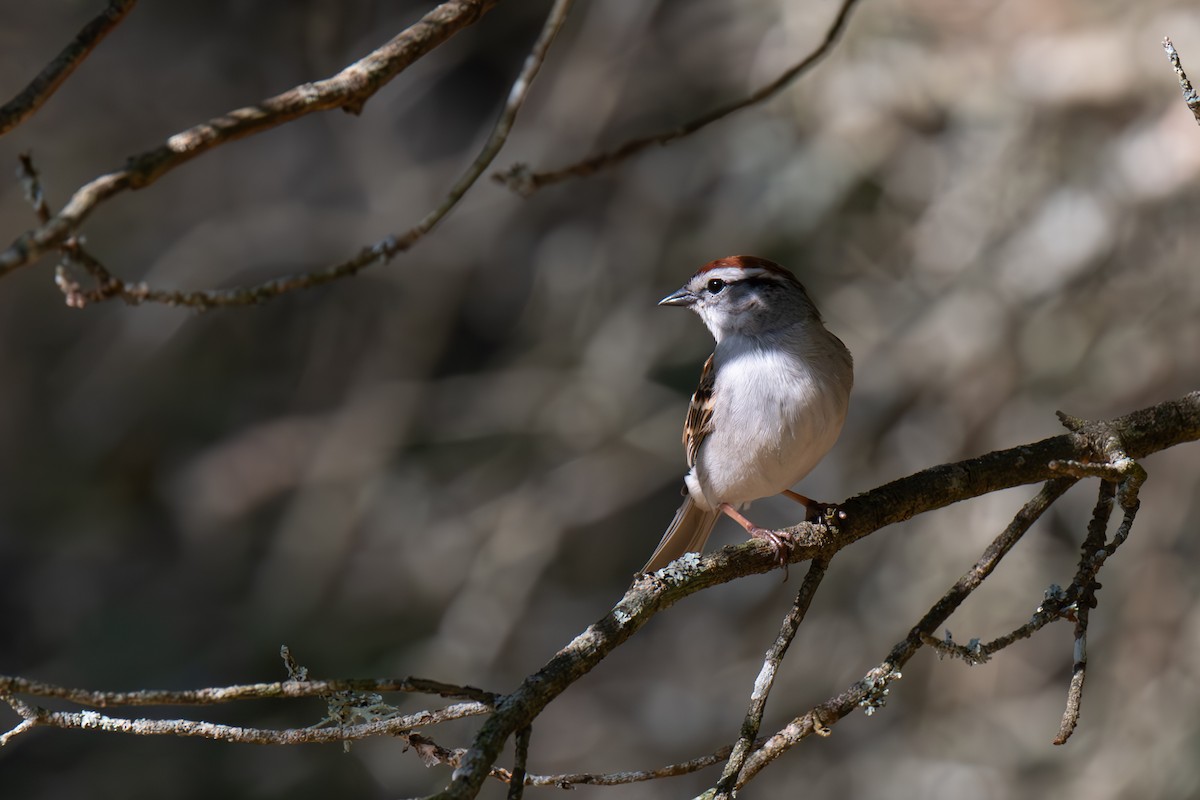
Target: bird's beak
[[680, 298]]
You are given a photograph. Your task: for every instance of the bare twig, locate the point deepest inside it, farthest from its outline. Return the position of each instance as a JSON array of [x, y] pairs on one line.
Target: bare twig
[[1055, 606], [93, 720], [870, 693], [31, 182], [349, 90], [522, 180], [570, 781], [1077, 601], [108, 286], [1189, 94], [516, 782], [10, 684], [766, 677], [52, 76]]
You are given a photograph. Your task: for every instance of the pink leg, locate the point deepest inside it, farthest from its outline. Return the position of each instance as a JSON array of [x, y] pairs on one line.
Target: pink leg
[[779, 541]]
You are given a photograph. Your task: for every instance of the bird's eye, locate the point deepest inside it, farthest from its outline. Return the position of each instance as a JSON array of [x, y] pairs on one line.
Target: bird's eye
[[716, 285]]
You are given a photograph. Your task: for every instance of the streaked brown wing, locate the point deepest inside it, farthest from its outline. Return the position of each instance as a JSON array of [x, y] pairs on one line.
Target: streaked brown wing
[[700, 412]]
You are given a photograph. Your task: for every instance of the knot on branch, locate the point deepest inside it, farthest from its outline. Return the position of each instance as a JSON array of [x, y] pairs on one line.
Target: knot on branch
[[1113, 463]]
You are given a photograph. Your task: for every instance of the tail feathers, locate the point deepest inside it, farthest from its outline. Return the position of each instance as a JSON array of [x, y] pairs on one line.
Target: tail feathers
[[687, 534]]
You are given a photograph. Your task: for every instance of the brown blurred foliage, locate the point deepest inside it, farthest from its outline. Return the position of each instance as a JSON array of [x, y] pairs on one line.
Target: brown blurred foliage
[[449, 465]]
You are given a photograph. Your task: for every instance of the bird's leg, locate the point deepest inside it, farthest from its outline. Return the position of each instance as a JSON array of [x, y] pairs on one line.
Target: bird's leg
[[781, 543], [814, 510]]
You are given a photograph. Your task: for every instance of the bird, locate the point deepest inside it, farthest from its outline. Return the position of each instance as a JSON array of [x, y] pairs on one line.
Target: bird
[[771, 402]]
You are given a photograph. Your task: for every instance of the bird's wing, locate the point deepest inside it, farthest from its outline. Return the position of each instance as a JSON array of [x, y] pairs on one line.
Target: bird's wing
[[700, 413]]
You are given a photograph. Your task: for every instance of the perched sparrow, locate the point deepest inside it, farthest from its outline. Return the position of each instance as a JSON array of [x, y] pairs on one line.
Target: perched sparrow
[[771, 400]]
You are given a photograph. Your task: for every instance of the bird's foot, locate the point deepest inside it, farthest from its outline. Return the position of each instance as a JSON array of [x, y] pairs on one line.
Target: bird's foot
[[779, 541]]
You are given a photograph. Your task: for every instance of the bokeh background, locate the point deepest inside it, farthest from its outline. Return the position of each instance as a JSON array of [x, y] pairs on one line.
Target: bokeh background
[[451, 464]]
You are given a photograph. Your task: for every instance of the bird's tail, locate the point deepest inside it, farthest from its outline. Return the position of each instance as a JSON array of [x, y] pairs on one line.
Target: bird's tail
[[687, 534]]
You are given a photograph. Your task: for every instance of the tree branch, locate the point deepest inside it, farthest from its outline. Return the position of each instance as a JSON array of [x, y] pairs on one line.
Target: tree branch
[[54, 74], [766, 678], [1189, 94], [870, 693], [34, 716], [10, 684], [349, 90], [109, 286], [522, 180], [570, 781]]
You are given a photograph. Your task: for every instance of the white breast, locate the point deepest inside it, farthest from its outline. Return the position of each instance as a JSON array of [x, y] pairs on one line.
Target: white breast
[[789, 413]]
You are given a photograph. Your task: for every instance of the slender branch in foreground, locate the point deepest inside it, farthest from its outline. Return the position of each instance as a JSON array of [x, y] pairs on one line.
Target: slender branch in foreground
[[1138, 434], [1086, 581], [34, 717], [570, 781], [1055, 606], [516, 782], [10, 685], [54, 74], [349, 90], [522, 180], [766, 677], [1189, 94], [109, 286]]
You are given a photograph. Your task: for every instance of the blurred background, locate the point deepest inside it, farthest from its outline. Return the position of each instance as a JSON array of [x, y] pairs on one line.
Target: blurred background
[[450, 465]]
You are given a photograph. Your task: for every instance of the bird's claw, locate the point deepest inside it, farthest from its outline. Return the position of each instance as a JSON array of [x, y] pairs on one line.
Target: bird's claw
[[779, 541]]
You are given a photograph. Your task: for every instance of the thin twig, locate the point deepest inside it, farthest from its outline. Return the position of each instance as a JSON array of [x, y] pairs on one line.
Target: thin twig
[[1085, 582], [522, 180], [31, 182], [1189, 94], [349, 90], [10, 684], [380, 252], [24, 726], [93, 720], [871, 692], [516, 783], [766, 677], [570, 781], [1054, 607], [52, 76]]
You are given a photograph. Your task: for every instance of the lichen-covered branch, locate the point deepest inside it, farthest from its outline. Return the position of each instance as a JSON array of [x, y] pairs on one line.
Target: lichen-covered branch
[[399, 725], [10, 684], [1189, 94]]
